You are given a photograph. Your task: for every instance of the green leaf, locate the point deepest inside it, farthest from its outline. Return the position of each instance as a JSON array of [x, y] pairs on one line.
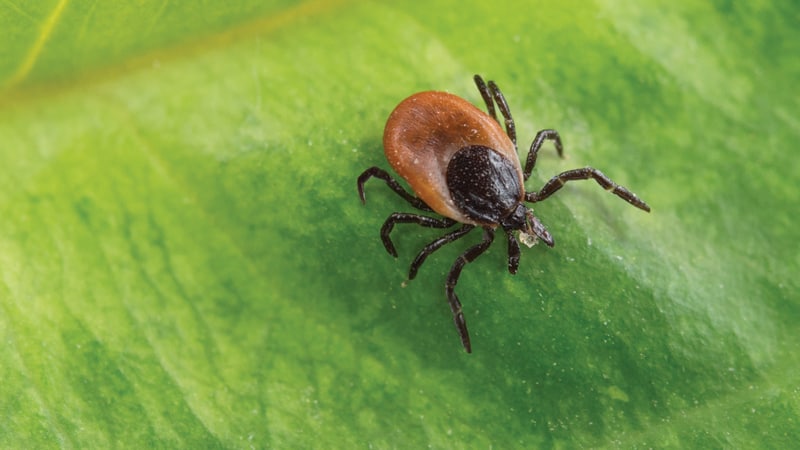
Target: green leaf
[[185, 262]]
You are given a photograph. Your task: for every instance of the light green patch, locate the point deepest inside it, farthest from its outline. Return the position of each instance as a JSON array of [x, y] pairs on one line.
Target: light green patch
[[617, 394]]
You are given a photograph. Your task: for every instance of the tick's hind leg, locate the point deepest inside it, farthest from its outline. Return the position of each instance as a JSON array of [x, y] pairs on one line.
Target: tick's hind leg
[[491, 94], [586, 173], [377, 172], [452, 279], [436, 245], [487, 96], [423, 221], [500, 99]]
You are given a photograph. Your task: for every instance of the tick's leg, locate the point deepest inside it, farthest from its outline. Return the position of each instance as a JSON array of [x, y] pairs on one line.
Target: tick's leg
[[492, 94], [536, 144], [585, 173], [513, 253], [487, 97], [436, 245], [452, 279], [500, 99], [377, 172], [423, 221]]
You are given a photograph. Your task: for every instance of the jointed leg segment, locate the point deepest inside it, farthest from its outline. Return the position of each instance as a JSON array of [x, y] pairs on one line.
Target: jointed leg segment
[[377, 172], [487, 97], [423, 221], [536, 145], [452, 279], [490, 93], [436, 245], [511, 129], [513, 253], [585, 173]]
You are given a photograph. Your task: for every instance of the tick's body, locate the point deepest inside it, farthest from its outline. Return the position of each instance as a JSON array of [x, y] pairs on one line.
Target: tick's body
[[462, 165], [421, 155]]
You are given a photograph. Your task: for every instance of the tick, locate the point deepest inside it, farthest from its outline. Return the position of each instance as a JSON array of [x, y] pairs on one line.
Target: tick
[[463, 166]]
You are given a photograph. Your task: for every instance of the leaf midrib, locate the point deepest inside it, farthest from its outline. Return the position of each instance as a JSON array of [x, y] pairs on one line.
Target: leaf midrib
[[17, 92]]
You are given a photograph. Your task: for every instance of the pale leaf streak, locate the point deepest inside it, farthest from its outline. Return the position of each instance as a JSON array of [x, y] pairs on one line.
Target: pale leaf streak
[[14, 318], [87, 19], [207, 343], [84, 325], [19, 10], [32, 387], [157, 16], [45, 32], [126, 121], [158, 353]]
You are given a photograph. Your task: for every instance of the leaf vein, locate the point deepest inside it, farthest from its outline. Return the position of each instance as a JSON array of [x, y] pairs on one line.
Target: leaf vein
[[33, 55]]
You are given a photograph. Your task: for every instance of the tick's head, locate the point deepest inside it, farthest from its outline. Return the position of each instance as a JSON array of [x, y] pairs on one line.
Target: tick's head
[[522, 219]]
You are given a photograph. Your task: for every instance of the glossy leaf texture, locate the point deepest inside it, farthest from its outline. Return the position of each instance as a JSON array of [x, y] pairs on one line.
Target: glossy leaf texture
[[185, 263]]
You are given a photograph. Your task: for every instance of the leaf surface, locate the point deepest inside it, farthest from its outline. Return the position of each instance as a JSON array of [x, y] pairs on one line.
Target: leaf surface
[[185, 262]]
